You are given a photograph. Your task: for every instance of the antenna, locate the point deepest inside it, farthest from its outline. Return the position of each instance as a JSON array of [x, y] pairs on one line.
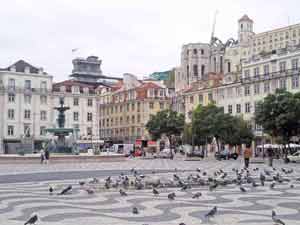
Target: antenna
[[214, 25]]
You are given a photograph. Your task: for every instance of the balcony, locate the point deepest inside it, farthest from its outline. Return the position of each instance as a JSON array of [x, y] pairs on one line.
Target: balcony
[[270, 76]]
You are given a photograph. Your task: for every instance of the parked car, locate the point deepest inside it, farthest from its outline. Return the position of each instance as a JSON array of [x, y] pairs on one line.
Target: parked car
[[294, 157], [165, 153], [226, 155], [195, 154]]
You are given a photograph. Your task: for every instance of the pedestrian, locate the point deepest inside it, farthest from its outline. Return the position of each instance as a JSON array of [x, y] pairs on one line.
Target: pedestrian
[[270, 153], [247, 155], [47, 156], [42, 156]]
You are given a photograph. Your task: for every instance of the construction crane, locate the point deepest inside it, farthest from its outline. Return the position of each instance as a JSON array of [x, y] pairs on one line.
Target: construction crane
[[213, 28]]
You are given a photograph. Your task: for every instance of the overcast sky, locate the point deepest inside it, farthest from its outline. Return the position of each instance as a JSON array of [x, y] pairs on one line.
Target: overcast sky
[[130, 36]]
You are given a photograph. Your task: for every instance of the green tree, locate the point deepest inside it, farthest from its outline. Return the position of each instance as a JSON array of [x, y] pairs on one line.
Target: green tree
[[166, 122], [279, 115]]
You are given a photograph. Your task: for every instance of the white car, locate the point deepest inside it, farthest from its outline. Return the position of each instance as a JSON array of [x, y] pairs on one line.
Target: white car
[[294, 157]]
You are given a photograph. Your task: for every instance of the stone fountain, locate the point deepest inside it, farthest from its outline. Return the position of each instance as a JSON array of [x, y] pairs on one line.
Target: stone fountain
[[61, 145]]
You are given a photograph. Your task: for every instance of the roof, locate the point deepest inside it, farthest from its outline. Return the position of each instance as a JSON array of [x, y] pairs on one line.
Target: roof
[[20, 67], [149, 85], [245, 18]]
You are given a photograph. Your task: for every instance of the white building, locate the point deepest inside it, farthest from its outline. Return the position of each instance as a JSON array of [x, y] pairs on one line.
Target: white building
[[25, 105]]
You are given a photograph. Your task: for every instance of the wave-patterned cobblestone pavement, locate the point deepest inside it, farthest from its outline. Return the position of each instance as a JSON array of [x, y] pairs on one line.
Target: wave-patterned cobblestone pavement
[[19, 201]]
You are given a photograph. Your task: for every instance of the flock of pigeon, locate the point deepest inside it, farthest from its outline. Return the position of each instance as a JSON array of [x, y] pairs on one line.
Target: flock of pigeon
[[137, 181]]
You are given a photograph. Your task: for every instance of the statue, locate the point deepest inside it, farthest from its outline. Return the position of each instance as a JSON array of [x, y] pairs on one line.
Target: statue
[[61, 115]]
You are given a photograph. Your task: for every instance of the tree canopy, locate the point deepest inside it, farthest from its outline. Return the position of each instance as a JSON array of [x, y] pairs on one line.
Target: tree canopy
[[279, 114], [166, 122], [211, 121]]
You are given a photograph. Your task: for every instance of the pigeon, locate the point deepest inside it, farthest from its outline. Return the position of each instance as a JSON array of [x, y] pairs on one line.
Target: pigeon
[[212, 212], [94, 181], [292, 186], [90, 191], [66, 190], [254, 184], [262, 179], [243, 189], [198, 170], [81, 183], [182, 224], [171, 196], [272, 185], [123, 193], [213, 186], [32, 220], [51, 190], [275, 219], [135, 210], [155, 192], [197, 195]]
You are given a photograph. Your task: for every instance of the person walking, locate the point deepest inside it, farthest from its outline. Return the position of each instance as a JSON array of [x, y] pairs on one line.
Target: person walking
[[42, 156], [247, 155], [47, 156], [270, 153]]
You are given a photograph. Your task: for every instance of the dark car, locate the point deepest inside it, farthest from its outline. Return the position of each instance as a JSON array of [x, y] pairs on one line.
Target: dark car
[[220, 156], [195, 154]]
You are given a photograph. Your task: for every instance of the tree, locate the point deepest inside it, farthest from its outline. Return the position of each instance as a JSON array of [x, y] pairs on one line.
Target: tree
[[166, 122], [211, 121], [279, 115]]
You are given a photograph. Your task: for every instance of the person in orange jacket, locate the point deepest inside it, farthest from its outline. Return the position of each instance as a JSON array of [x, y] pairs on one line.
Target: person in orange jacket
[[247, 155]]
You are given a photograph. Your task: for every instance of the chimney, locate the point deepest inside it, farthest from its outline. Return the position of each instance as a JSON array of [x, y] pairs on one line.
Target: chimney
[[41, 70]]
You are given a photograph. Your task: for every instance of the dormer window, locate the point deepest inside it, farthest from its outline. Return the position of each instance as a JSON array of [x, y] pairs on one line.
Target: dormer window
[[62, 88], [75, 90], [86, 90]]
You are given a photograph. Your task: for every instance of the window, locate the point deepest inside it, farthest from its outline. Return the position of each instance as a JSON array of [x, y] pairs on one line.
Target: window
[[195, 51], [191, 99], [43, 99], [256, 71], [43, 86], [238, 91], [89, 116], [202, 70], [128, 107], [256, 88], [11, 83], [42, 131], [121, 120], [151, 105], [89, 131], [11, 97], [161, 105], [75, 116], [76, 101], [27, 130], [195, 69], [10, 130], [112, 110], [138, 118], [295, 82], [90, 102], [210, 97], [132, 107], [127, 119], [200, 98], [43, 115], [295, 64], [247, 74], [282, 83], [121, 108], [133, 119], [27, 84], [27, 99], [11, 114], [247, 107], [266, 87], [266, 70], [228, 67], [138, 106], [282, 66], [238, 108], [27, 114], [230, 109], [202, 51], [247, 90]]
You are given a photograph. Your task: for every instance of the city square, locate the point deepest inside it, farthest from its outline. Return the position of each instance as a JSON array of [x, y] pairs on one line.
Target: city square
[[22, 199]]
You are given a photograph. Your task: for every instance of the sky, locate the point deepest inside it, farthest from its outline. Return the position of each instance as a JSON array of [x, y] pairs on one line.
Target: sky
[[129, 36]]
